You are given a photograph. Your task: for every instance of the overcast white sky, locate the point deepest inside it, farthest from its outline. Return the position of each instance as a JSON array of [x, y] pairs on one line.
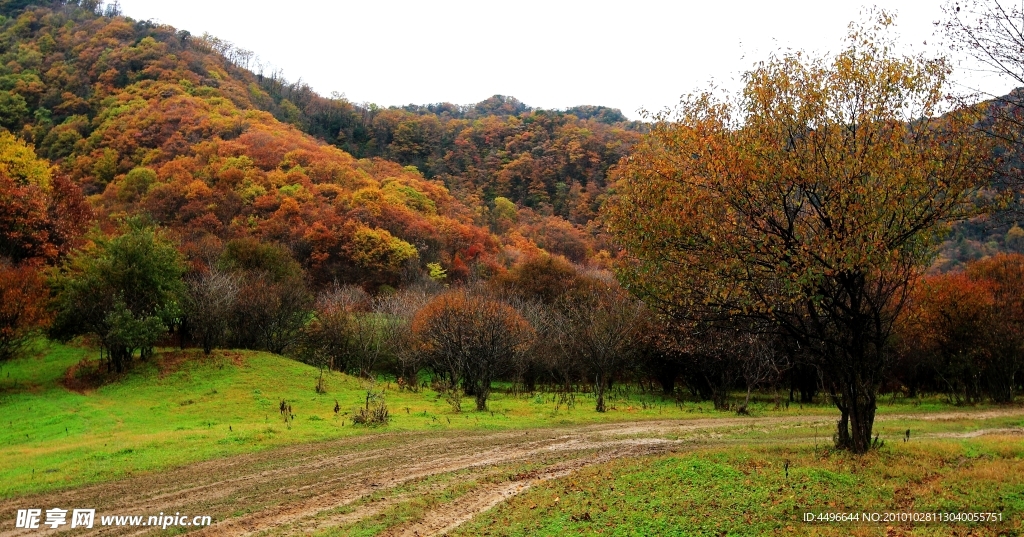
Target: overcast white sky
[[550, 54]]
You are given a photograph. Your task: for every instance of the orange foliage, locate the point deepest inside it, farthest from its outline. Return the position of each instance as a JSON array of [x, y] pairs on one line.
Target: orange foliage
[[23, 297]]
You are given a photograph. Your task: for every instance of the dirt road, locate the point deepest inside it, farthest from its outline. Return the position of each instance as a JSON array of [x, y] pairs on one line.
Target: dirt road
[[455, 475]]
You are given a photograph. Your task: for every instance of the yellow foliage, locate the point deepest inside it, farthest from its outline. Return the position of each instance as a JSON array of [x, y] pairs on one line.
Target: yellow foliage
[[18, 160]]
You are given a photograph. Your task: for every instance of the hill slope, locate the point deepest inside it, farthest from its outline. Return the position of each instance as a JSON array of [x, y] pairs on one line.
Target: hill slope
[[147, 119]]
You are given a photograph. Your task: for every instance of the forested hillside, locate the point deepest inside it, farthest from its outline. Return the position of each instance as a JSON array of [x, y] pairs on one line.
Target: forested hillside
[[150, 120], [555, 162], [194, 132]]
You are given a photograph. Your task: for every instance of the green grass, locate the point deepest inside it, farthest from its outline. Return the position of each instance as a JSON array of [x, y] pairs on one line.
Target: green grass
[[164, 414], [186, 407], [743, 491]]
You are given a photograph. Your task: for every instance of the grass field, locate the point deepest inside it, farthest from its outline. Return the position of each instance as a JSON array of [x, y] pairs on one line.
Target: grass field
[[184, 406], [726, 476], [743, 491]]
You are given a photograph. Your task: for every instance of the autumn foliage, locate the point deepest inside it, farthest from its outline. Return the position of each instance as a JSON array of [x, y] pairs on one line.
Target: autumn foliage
[[810, 203], [23, 301], [775, 237], [473, 339], [964, 332]]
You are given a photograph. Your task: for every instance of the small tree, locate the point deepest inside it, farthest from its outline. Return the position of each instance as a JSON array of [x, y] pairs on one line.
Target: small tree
[[659, 355], [326, 340], [601, 331], [762, 361], [544, 355], [125, 290], [370, 342], [270, 314], [472, 338], [23, 312], [397, 312], [209, 300]]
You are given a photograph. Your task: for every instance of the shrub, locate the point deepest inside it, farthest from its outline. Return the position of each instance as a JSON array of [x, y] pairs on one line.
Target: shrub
[[374, 412]]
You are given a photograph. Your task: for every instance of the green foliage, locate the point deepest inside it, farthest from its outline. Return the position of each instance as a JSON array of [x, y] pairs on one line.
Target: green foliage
[[1015, 239], [13, 109], [18, 161], [379, 251], [289, 113], [291, 190], [136, 184], [412, 198], [437, 272], [504, 214], [253, 256], [127, 331], [105, 167], [124, 290]]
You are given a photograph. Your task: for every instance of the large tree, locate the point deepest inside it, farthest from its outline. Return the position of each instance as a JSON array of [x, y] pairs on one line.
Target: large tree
[[808, 201]]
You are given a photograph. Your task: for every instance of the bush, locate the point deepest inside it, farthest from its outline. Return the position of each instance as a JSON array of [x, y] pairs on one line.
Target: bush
[[374, 412], [273, 303], [269, 314]]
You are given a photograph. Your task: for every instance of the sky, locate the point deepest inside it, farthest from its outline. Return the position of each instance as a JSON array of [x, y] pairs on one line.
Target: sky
[[630, 54]]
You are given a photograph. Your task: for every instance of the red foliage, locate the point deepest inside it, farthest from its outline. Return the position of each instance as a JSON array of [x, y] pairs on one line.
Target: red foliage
[[23, 297]]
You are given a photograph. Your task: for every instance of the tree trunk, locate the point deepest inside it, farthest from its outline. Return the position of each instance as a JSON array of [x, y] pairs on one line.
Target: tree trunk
[[119, 358], [1000, 384], [599, 387], [666, 376], [482, 391], [530, 380], [719, 398], [862, 420], [843, 429], [854, 428], [746, 402]]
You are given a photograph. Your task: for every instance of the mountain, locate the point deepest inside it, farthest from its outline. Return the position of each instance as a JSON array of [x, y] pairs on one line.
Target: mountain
[[553, 161], [1000, 231], [148, 119], [191, 131]]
